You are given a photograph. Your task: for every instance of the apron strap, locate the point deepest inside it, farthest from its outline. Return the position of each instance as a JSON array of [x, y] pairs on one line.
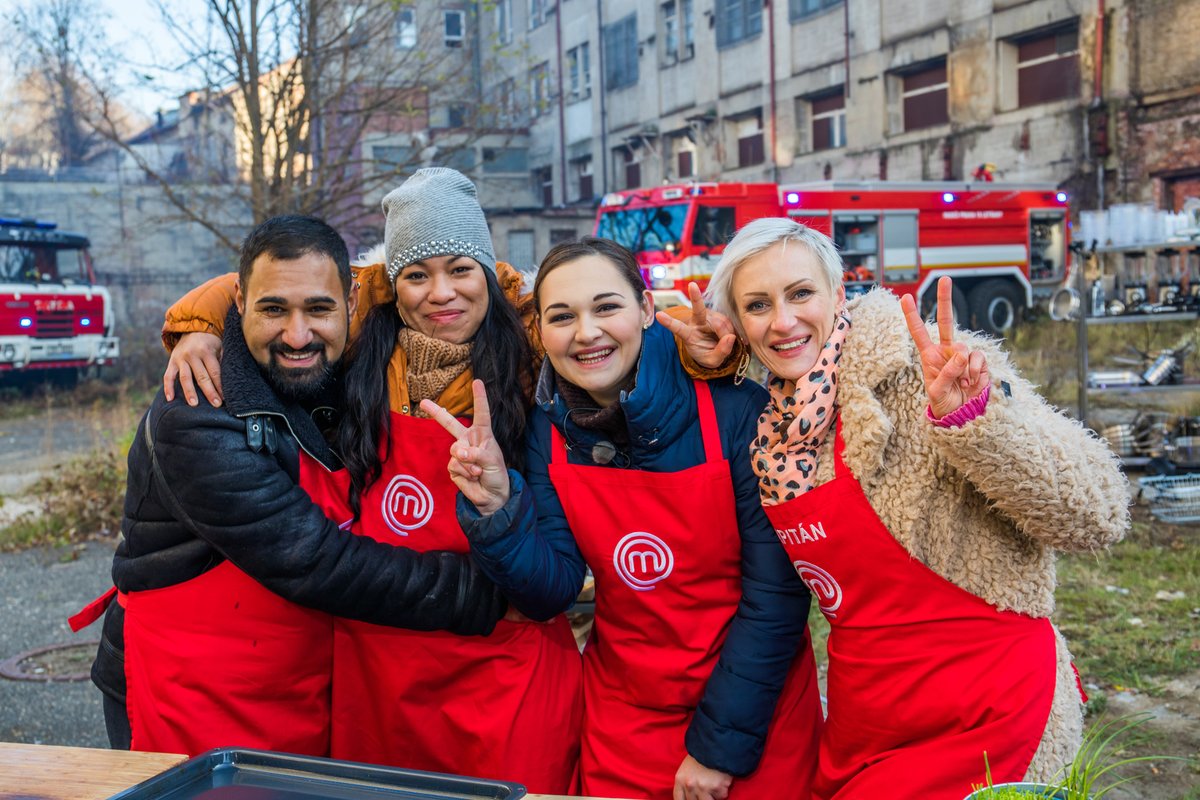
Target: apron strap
[[92, 611], [708, 423], [558, 446], [839, 445]]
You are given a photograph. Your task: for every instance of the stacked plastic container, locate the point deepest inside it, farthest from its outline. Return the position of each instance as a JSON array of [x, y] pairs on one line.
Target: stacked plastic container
[[1130, 225]]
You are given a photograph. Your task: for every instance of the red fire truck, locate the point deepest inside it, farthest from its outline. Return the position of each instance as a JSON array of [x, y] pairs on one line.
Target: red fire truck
[[1005, 245], [53, 317]]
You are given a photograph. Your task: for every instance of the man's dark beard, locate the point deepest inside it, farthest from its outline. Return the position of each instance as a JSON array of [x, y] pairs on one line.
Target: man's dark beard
[[293, 385]]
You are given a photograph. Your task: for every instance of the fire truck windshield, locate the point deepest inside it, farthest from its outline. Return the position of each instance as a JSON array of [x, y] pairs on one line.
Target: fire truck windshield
[[38, 263], [643, 230]]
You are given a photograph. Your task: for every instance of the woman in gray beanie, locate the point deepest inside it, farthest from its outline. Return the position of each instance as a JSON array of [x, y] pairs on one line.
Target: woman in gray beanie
[[507, 705]]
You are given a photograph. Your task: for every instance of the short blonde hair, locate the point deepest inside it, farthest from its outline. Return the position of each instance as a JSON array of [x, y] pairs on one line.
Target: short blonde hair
[[754, 238]]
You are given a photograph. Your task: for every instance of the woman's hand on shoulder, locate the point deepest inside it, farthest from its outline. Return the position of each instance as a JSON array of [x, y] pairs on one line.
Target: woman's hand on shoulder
[[954, 374], [694, 781], [708, 336], [195, 361], [477, 464]]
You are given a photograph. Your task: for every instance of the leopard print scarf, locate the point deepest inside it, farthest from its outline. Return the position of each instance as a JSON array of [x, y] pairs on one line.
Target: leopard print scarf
[[793, 427]]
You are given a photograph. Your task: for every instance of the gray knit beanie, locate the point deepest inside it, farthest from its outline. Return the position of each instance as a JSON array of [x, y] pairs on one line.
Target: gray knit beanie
[[435, 213]]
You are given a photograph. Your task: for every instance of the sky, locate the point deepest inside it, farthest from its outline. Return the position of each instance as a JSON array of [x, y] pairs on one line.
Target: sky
[[135, 29]]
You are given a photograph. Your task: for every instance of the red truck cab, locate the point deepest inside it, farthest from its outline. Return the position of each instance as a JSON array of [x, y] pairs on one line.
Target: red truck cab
[[53, 316]]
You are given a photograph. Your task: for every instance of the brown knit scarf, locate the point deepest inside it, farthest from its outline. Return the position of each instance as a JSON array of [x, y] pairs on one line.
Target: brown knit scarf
[[608, 422], [432, 365]]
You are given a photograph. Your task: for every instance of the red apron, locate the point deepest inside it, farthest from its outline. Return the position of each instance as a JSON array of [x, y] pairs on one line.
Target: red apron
[[221, 661], [666, 554], [924, 677], [506, 706]]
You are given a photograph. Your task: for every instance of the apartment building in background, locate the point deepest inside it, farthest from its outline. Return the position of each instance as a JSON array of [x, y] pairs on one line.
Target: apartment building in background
[[1096, 96]]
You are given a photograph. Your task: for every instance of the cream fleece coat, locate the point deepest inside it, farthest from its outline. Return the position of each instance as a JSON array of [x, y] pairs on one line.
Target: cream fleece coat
[[985, 505]]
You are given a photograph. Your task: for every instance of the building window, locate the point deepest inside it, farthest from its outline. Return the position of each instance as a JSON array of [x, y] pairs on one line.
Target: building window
[[539, 10], [750, 140], [461, 159], [506, 159], [1048, 67], [455, 26], [689, 29], [798, 9], [738, 21], [687, 166], [583, 175], [543, 185], [925, 96], [633, 168], [828, 120], [621, 53], [456, 115], [520, 250], [505, 103], [678, 30], [670, 29], [580, 69], [395, 159], [539, 89], [504, 28], [562, 236], [406, 28]]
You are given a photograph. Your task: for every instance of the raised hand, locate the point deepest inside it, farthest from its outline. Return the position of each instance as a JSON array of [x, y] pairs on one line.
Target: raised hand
[[708, 336], [954, 374], [195, 360], [476, 462]]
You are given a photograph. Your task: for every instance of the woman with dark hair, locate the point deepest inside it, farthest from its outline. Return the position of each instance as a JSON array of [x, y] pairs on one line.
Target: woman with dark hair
[[507, 705], [698, 668]]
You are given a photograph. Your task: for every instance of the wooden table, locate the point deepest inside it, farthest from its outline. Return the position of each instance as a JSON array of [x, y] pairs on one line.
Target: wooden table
[[43, 772], [74, 773]]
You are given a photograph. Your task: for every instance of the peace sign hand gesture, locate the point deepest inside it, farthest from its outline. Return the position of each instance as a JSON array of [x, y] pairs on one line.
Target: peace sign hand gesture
[[954, 374], [476, 462], [708, 336]]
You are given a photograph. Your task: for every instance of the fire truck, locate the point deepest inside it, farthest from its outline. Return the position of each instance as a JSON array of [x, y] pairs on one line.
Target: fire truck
[[1005, 245], [54, 319]]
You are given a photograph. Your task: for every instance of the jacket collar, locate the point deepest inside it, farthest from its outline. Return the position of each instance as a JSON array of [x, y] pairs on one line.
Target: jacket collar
[[877, 350], [654, 413], [247, 394]]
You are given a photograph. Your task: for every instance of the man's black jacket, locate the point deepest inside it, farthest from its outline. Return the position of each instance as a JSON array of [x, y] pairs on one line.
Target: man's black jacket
[[223, 483]]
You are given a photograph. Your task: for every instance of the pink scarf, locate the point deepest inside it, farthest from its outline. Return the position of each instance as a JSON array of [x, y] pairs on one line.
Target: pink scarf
[[793, 427]]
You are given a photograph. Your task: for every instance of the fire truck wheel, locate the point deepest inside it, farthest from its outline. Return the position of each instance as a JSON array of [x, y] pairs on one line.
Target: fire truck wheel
[[995, 307], [959, 301]]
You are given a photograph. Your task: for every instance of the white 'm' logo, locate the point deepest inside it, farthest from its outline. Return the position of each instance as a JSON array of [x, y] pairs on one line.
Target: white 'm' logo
[[822, 585], [407, 504], [642, 560]]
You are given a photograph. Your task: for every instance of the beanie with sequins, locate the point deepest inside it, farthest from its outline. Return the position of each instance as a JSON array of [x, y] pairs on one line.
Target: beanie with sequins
[[435, 213]]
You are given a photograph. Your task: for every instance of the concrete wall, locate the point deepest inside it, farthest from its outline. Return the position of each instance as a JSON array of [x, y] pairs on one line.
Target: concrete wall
[[141, 251]]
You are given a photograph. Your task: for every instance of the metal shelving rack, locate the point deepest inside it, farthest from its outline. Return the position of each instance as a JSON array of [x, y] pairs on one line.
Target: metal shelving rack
[[1184, 249]]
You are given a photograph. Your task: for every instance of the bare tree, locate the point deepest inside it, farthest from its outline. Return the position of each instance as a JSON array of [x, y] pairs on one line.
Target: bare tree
[[297, 99], [59, 56]]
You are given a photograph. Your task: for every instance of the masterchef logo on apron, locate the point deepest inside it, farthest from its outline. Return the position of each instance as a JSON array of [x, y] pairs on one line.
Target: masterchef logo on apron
[[822, 585], [407, 504], [642, 560]]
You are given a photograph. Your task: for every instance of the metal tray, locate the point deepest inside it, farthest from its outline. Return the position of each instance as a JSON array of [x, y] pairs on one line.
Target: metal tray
[[231, 773]]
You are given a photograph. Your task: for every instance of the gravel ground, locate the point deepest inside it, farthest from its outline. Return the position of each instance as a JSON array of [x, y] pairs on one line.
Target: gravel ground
[[40, 588]]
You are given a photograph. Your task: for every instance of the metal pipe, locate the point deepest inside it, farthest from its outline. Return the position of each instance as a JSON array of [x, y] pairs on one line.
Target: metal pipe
[[602, 91], [846, 33], [562, 114], [771, 94]]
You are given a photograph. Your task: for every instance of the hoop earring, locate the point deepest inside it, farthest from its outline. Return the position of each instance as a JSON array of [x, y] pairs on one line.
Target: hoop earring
[[743, 368]]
